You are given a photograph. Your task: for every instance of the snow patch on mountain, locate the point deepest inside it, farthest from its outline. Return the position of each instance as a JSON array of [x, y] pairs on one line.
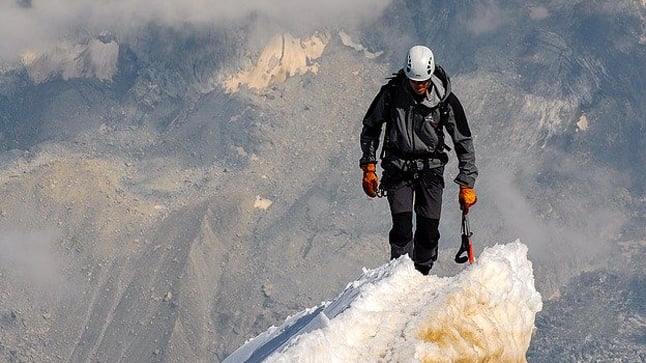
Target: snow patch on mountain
[[94, 59], [284, 56], [346, 39], [262, 203]]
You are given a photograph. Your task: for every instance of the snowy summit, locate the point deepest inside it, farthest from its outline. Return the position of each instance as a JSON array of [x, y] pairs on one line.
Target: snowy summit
[[395, 314]]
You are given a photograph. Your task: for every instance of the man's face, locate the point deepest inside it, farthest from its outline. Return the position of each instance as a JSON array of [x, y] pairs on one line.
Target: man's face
[[419, 87]]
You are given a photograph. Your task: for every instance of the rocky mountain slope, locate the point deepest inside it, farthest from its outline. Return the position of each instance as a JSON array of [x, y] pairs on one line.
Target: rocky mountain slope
[[152, 210]]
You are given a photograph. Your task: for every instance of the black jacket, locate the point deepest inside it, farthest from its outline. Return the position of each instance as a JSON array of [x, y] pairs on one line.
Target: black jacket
[[414, 129]]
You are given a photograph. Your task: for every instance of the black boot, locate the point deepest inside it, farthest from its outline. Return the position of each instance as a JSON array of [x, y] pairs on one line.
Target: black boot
[[397, 251], [424, 269]]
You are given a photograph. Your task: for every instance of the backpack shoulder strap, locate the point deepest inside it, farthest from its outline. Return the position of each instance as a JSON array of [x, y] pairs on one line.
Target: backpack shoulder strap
[[444, 100], [443, 104], [393, 81]]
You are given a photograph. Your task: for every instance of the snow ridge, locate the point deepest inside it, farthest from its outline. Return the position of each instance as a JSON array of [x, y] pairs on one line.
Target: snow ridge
[[394, 314]]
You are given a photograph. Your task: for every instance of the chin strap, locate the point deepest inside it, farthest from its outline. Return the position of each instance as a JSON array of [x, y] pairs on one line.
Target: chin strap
[[467, 245]]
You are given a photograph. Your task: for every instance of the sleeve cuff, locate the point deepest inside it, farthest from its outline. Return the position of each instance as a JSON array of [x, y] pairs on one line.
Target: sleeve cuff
[[465, 180]]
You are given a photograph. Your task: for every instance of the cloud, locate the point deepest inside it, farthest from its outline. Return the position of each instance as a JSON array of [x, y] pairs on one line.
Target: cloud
[[24, 3], [487, 17], [29, 258], [559, 207], [538, 13], [29, 25]]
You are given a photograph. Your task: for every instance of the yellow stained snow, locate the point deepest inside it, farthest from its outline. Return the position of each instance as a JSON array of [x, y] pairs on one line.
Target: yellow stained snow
[[284, 56]]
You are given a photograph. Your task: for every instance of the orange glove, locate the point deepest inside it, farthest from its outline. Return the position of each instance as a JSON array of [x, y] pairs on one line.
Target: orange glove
[[370, 180], [467, 198]]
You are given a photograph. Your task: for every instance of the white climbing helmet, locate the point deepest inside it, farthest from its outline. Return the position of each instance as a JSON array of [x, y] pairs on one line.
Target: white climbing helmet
[[420, 63]]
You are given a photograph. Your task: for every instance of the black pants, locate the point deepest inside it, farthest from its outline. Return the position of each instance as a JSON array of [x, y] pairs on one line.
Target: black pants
[[420, 193]]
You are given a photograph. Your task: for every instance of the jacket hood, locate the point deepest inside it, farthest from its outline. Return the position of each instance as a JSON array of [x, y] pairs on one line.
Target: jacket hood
[[441, 83], [440, 87]]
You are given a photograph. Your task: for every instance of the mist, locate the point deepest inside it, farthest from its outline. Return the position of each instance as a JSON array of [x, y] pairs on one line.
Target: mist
[[30, 260], [31, 25]]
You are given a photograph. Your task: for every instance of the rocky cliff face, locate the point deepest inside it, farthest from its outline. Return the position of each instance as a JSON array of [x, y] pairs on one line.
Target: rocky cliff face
[[169, 194]]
